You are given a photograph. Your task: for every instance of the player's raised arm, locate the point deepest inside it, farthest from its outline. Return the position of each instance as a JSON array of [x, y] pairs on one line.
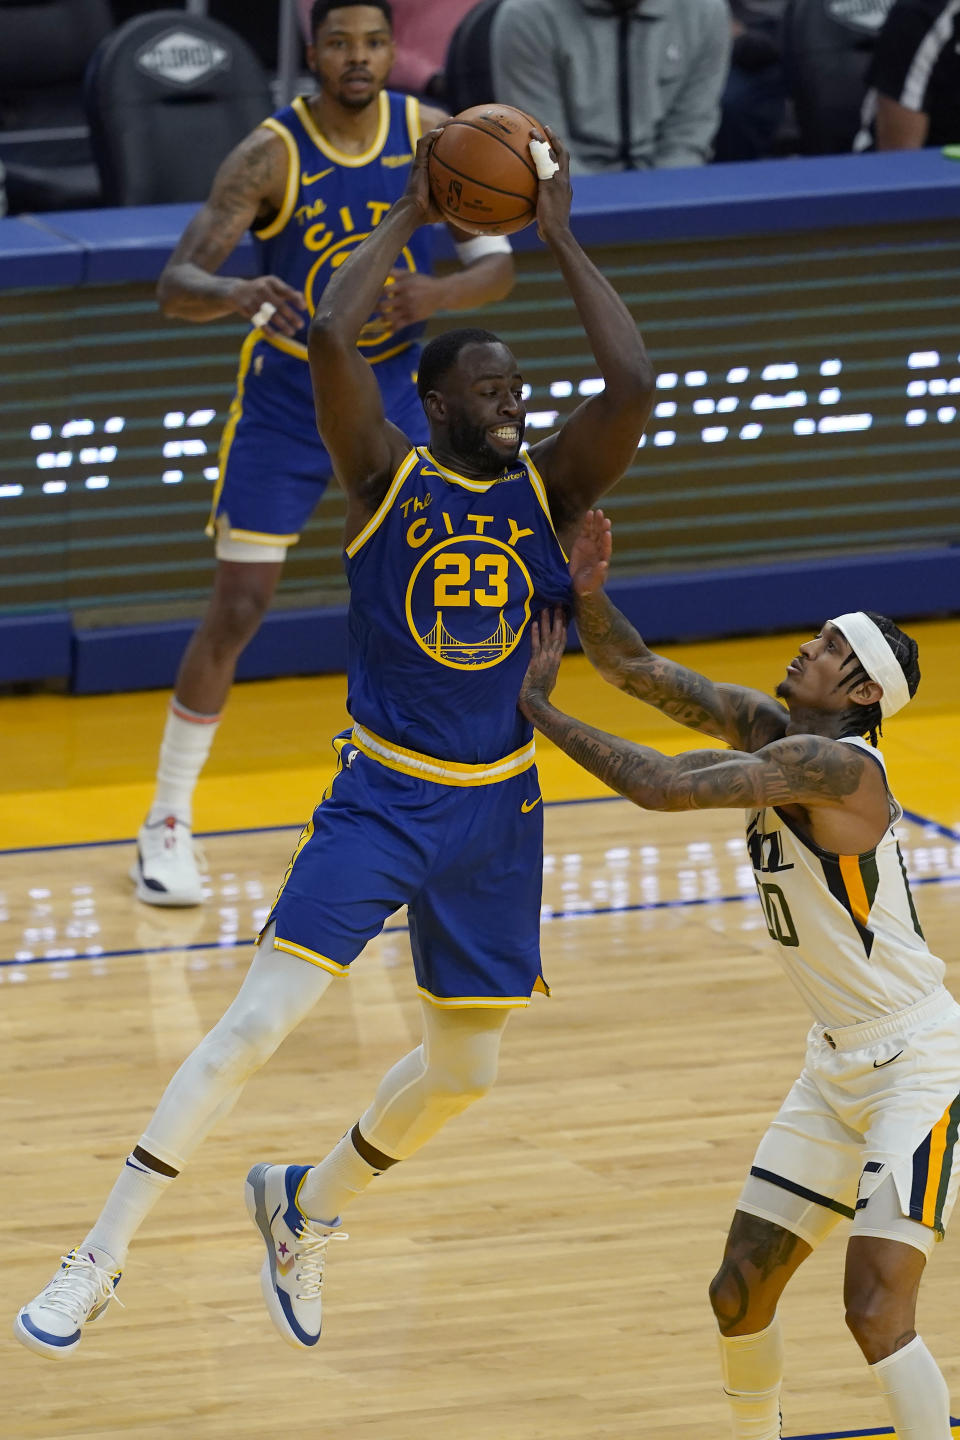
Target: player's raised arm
[[744, 718], [365, 448], [486, 273], [599, 440], [807, 770], [248, 187]]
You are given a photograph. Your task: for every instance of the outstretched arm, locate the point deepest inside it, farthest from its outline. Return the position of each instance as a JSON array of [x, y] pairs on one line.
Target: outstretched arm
[[804, 770], [746, 719], [598, 441], [365, 448]]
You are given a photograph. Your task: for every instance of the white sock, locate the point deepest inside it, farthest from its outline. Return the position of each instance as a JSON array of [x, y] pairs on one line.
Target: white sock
[[134, 1195], [916, 1393], [329, 1187], [187, 738], [752, 1373]]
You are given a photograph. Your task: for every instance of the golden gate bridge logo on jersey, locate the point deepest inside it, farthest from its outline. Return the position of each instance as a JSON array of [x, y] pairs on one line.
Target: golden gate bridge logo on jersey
[[468, 602]]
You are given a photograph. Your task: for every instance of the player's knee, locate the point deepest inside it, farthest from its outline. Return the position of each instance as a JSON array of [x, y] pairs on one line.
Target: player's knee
[[240, 1044], [878, 1322], [737, 1306], [235, 617], [454, 1088]]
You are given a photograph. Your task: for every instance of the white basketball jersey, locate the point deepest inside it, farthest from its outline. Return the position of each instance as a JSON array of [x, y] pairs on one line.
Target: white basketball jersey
[[846, 928]]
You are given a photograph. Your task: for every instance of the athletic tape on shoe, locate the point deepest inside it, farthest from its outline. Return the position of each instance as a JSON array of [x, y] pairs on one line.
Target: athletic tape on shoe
[[871, 649], [264, 315], [546, 167]]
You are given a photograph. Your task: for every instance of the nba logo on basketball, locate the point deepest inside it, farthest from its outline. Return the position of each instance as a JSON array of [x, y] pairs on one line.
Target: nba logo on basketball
[[454, 191]]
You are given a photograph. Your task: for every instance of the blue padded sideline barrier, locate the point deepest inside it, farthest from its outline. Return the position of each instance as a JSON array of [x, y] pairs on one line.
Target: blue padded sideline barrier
[[35, 647], [671, 607], [762, 197], [145, 657]]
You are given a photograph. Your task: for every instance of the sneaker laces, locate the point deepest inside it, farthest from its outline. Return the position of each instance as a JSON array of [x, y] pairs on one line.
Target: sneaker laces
[[79, 1288], [311, 1255]]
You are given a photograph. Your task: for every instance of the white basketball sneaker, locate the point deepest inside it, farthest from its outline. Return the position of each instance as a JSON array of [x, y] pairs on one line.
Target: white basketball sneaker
[[292, 1275], [81, 1290], [165, 871]]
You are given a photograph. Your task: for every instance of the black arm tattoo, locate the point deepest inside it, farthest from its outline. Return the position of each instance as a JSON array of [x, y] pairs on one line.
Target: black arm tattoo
[[803, 769], [743, 718]]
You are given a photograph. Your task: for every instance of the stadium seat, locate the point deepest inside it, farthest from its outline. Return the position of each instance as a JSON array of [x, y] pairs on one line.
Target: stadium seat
[[168, 95], [468, 73], [827, 47], [44, 139]]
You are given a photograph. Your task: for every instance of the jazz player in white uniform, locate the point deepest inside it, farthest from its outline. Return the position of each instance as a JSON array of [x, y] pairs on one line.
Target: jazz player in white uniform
[[869, 1130]]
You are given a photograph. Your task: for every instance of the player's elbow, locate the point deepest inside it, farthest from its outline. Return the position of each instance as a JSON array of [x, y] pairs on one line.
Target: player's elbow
[[326, 338], [168, 295], [634, 386]]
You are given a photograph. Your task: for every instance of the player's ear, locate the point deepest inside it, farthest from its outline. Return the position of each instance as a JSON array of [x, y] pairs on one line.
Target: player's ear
[[311, 56], [868, 692], [434, 406]]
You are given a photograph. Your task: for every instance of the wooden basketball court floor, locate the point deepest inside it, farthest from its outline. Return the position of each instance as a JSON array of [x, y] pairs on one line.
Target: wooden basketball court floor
[[540, 1269]]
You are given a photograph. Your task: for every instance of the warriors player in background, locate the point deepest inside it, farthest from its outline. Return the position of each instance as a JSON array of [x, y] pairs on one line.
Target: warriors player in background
[[310, 182], [436, 804], [869, 1131]]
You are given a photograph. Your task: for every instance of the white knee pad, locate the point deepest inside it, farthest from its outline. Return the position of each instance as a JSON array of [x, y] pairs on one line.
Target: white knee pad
[[277, 993], [455, 1065]]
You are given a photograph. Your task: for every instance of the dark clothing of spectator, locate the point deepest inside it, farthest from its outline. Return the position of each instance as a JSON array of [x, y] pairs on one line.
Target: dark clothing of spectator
[[914, 77], [755, 97]]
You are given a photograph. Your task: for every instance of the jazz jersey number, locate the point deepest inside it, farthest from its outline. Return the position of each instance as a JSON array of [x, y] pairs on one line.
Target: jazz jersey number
[[776, 912], [455, 576]]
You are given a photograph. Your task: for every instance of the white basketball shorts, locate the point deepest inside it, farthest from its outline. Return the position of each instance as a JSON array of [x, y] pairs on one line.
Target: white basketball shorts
[[875, 1102]]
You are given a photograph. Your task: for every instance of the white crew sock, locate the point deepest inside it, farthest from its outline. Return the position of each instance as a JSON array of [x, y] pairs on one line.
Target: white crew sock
[[916, 1393], [329, 1187], [187, 738], [134, 1195], [752, 1373]]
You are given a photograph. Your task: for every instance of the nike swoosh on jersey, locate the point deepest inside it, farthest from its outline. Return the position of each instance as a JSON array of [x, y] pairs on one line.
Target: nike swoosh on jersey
[[306, 179], [879, 1064], [529, 805]]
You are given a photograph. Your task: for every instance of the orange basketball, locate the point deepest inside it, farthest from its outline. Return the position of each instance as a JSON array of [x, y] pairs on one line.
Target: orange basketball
[[482, 176]]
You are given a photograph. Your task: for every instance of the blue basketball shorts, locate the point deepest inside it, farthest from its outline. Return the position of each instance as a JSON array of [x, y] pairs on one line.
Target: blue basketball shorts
[[274, 468], [467, 862]]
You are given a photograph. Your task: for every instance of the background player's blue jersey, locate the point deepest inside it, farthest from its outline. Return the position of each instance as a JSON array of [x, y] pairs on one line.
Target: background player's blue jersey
[[332, 202], [443, 581]]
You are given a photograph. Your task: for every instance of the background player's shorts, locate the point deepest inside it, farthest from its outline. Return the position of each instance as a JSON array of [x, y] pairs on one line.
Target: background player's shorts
[[466, 860], [273, 466], [883, 1105]]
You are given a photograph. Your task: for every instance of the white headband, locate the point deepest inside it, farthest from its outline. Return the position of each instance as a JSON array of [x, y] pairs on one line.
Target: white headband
[[872, 650]]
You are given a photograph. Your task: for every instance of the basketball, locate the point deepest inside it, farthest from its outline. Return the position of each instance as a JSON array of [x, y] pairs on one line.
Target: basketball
[[482, 175]]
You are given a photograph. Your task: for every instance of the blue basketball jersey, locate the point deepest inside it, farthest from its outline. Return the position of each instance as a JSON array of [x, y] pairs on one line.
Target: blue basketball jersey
[[443, 581], [332, 202]]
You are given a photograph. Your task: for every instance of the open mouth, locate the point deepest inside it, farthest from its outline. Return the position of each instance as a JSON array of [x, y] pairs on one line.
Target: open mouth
[[506, 434]]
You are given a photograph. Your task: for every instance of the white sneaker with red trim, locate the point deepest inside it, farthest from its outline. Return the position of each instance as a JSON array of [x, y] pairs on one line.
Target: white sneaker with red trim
[[165, 871]]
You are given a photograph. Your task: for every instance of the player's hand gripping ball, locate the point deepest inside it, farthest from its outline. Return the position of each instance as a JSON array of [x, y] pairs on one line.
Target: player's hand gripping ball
[[483, 177]]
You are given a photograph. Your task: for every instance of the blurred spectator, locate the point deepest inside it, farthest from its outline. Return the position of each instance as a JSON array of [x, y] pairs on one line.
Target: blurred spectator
[[914, 98], [755, 97], [628, 84], [421, 30], [827, 49], [3, 190]]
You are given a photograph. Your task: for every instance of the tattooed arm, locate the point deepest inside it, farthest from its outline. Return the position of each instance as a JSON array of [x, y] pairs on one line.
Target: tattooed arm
[[805, 770], [248, 189], [747, 719]]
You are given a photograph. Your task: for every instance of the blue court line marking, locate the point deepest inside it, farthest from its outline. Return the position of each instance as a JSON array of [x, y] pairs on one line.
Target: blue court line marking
[[943, 830], [697, 901], [853, 1434]]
